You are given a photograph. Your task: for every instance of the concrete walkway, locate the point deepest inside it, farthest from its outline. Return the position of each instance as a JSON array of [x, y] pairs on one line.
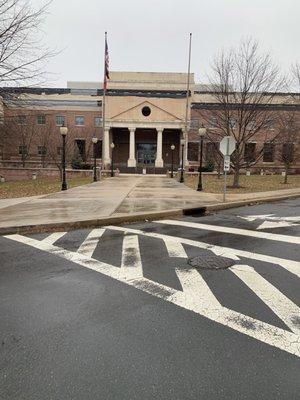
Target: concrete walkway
[[113, 197]]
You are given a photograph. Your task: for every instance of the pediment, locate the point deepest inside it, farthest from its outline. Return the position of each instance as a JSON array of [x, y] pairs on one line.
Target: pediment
[[135, 114]]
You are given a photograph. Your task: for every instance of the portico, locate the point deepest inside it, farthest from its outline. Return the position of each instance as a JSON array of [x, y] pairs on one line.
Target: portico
[[145, 121], [145, 146]]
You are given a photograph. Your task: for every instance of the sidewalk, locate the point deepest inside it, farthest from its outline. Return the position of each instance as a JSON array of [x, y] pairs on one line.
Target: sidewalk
[[113, 200]]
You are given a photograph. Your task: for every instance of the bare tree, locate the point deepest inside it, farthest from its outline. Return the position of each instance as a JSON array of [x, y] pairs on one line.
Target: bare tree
[[22, 52], [289, 124], [245, 82], [54, 149], [287, 139]]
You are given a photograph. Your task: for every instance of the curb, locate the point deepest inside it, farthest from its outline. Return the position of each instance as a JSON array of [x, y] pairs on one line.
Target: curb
[[130, 218]]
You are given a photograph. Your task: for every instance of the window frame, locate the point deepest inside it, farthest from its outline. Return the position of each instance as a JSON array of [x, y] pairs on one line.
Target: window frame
[[63, 119], [83, 119], [250, 160], [100, 123], [272, 145], [23, 152], [213, 122], [19, 117], [41, 152], [43, 116]]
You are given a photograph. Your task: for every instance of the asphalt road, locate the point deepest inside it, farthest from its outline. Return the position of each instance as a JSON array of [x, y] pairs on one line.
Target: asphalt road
[[120, 312]]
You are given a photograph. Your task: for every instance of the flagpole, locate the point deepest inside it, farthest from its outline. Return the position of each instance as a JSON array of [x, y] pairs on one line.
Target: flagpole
[[103, 104], [188, 95]]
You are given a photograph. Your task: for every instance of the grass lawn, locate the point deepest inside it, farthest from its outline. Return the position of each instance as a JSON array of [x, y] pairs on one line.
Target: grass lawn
[[9, 190], [253, 183]]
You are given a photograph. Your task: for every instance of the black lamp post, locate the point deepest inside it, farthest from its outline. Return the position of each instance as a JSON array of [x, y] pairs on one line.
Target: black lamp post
[[202, 132], [172, 168], [112, 146], [63, 132], [95, 141], [182, 143]]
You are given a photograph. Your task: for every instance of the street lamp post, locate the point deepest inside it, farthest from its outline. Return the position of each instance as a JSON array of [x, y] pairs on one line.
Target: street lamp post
[[95, 141], [172, 168], [112, 146], [202, 133], [63, 132], [182, 143]]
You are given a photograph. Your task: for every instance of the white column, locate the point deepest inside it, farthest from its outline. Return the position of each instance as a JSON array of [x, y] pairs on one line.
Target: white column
[[159, 162], [131, 161], [105, 148], [185, 158]]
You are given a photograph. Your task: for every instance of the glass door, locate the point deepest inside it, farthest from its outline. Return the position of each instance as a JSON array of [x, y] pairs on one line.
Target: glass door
[[146, 154]]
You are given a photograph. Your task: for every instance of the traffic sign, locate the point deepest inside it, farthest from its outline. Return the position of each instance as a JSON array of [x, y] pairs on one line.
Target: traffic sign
[[227, 145], [226, 163]]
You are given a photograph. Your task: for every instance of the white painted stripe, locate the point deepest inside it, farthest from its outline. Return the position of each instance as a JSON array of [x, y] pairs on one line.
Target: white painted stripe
[[90, 243], [131, 266], [283, 307], [259, 330], [227, 252], [53, 237], [233, 231], [196, 290], [77, 258], [175, 249]]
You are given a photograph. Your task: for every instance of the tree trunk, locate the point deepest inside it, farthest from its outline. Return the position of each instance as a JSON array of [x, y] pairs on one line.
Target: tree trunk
[[236, 178], [286, 175], [219, 171]]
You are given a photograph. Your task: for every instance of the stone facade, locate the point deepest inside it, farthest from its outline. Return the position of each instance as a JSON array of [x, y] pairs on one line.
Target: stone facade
[[145, 115]]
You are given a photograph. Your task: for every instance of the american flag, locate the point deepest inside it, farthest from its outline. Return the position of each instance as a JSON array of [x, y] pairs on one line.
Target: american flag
[[106, 65]]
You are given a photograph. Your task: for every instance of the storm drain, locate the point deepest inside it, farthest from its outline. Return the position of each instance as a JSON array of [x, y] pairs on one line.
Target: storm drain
[[210, 261]]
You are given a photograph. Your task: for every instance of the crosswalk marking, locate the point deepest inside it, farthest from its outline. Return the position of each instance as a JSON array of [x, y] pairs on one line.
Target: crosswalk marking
[[284, 308], [54, 237], [175, 249], [227, 252], [196, 289], [207, 305], [131, 265], [90, 243], [234, 231]]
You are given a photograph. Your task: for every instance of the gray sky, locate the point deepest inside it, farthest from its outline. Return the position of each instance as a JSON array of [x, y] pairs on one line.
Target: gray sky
[[153, 35]]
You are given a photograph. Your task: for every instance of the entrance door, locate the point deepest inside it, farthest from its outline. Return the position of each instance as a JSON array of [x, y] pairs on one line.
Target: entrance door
[[146, 154]]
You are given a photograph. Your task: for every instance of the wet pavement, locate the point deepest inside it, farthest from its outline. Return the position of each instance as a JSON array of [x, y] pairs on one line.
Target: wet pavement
[[118, 312], [112, 197]]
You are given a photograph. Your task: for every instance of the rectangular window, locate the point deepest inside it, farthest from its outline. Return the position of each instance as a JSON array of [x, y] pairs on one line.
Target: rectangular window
[[98, 149], [98, 122], [59, 150], [288, 153], [269, 124], [42, 151], [249, 153], [232, 122], [211, 150], [41, 119], [213, 122], [22, 150], [194, 123], [21, 119], [60, 120], [80, 143], [193, 151], [79, 120], [268, 155], [251, 125]]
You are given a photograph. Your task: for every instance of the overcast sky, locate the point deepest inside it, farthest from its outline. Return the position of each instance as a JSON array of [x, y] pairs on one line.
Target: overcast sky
[[152, 35]]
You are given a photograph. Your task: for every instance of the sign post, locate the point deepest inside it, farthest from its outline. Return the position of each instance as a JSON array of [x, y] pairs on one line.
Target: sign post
[[227, 147]]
